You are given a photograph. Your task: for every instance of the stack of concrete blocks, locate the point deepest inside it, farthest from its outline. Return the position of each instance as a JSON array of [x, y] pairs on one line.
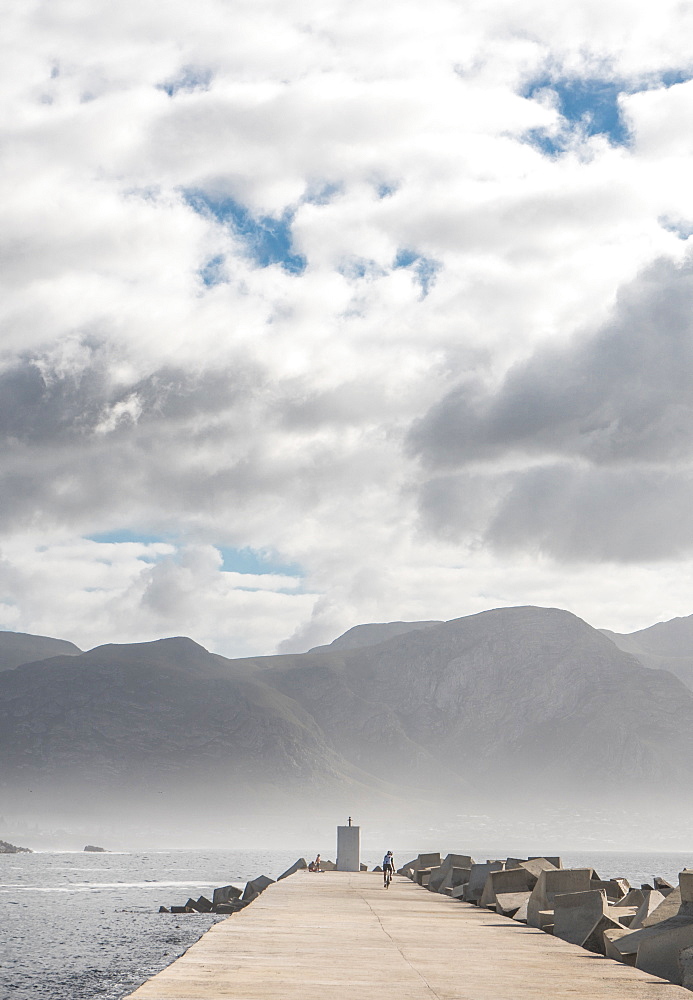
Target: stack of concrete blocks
[[650, 928], [447, 876], [255, 887], [660, 944], [229, 898], [420, 868], [452, 872], [508, 890], [540, 906], [584, 917], [473, 889]]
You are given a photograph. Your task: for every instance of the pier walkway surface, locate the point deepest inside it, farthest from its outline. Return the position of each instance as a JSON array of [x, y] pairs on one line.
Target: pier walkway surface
[[341, 936]]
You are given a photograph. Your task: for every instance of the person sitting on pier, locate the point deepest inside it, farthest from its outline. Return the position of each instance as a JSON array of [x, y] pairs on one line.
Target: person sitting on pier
[[388, 867], [314, 866]]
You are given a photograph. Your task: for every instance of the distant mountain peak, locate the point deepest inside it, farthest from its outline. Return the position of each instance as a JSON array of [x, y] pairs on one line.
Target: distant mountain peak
[[18, 648], [372, 634]]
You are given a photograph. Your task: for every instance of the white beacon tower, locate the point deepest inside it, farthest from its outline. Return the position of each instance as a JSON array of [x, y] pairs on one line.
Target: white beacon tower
[[349, 848]]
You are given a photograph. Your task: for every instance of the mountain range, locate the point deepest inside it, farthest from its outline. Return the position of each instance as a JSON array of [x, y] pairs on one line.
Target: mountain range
[[480, 709]]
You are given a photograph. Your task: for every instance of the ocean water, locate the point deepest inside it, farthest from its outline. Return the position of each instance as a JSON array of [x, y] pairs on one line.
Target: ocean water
[[86, 927]]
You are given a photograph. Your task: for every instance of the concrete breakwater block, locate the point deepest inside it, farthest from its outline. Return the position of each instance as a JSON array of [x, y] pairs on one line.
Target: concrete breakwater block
[[611, 951], [440, 877], [231, 907], [455, 877], [652, 899], [255, 886], [508, 904], [552, 883], [577, 913], [225, 894], [595, 939], [686, 968], [669, 907], [422, 861], [201, 905], [478, 876], [615, 888], [635, 897], [521, 878], [659, 951], [296, 866]]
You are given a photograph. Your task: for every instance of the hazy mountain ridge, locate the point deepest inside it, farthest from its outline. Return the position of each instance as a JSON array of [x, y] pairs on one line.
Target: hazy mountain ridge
[[519, 687], [372, 634], [663, 646], [488, 704], [167, 708], [17, 648]]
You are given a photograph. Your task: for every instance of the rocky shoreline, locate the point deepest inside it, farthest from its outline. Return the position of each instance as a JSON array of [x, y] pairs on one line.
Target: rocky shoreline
[[6, 848]]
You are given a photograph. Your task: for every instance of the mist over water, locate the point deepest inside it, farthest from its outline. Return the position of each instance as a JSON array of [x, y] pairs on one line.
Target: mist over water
[[82, 926]]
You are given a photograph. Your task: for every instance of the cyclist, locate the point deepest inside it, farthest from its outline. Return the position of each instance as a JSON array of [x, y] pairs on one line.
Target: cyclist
[[388, 868]]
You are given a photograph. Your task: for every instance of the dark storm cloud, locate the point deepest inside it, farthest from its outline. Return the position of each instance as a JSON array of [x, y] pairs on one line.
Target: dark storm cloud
[[622, 396], [77, 450], [75, 444], [583, 451], [38, 405]]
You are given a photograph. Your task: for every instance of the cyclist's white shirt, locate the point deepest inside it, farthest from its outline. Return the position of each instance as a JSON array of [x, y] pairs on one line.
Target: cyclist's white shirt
[[388, 860]]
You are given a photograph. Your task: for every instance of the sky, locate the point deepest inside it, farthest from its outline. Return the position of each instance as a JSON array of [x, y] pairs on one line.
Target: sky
[[321, 313]]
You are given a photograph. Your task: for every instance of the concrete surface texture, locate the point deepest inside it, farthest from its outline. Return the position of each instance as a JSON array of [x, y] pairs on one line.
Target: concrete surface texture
[[577, 913], [340, 934]]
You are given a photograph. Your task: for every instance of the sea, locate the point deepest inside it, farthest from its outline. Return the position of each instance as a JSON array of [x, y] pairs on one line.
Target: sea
[[86, 926]]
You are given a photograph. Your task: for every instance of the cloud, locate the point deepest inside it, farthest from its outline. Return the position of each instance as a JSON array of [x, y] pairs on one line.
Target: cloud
[[622, 395], [584, 451], [91, 591]]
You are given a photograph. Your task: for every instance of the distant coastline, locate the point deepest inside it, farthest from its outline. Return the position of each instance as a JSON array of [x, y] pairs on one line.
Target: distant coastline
[[6, 848]]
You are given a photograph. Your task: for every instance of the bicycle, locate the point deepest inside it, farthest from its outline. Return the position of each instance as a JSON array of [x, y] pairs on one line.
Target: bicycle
[[387, 877]]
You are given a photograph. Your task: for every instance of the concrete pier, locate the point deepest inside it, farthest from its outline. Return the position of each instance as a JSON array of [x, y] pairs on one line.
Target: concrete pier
[[340, 935]]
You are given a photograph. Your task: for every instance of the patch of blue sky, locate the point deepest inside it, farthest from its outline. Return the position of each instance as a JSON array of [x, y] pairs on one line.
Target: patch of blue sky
[[245, 560], [267, 240], [190, 78], [355, 268], [213, 273], [150, 554], [119, 537], [672, 77], [590, 106], [683, 228], [322, 194], [257, 562], [423, 269], [385, 190]]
